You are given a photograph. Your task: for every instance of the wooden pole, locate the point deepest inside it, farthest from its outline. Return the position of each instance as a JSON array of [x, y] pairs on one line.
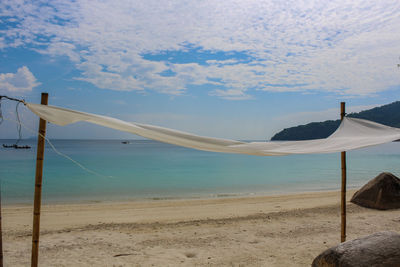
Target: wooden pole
[[343, 196], [38, 186]]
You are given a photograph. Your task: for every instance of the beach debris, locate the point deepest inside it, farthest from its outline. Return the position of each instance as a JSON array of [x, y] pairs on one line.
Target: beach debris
[[378, 249], [382, 192], [190, 254], [123, 255]]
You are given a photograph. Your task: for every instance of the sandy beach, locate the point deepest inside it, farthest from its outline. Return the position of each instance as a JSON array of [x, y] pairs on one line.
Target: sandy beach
[[282, 230]]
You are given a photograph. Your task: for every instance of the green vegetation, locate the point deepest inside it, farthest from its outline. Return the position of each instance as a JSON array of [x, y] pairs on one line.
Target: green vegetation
[[387, 114]]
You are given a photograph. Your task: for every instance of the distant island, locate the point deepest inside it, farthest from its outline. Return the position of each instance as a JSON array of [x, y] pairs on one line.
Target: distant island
[[387, 115]]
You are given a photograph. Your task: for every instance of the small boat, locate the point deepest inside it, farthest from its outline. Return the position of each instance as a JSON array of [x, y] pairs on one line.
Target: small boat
[[125, 142], [23, 147], [7, 146], [16, 146]]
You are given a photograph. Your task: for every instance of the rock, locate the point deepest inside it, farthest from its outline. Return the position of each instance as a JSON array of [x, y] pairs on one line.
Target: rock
[[379, 249], [382, 192]]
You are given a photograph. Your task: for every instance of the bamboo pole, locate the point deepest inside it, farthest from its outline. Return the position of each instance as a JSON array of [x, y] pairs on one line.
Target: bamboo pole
[[38, 186], [343, 196]]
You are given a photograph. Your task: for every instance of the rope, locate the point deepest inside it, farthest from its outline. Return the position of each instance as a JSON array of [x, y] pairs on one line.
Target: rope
[[1, 113], [20, 125], [13, 99], [60, 153], [19, 101]]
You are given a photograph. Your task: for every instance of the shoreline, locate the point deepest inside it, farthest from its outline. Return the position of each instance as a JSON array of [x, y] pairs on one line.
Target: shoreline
[[200, 196], [263, 194], [279, 230]]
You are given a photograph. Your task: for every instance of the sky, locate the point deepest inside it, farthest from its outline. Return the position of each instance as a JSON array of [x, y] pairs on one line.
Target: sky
[[230, 69]]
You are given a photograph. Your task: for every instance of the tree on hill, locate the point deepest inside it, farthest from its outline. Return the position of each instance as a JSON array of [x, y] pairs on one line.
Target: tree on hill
[[387, 115]]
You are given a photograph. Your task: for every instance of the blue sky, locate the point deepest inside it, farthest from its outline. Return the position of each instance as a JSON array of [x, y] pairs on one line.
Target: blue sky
[[232, 69]]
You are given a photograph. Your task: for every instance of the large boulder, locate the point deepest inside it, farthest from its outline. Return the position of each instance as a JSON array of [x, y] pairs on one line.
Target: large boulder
[[382, 192], [379, 249]]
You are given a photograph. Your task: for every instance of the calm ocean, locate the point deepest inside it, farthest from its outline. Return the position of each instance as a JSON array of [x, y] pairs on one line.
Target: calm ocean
[[153, 170]]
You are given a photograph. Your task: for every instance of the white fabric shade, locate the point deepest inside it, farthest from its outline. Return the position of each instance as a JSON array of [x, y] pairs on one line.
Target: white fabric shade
[[352, 134]]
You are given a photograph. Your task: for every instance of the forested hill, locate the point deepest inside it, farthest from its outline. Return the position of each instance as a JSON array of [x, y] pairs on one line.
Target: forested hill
[[387, 114]]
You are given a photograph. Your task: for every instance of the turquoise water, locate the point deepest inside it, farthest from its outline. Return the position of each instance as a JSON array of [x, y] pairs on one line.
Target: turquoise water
[[153, 170]]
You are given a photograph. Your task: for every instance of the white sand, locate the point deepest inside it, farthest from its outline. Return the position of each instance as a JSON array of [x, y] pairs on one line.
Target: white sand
[[288, 230]]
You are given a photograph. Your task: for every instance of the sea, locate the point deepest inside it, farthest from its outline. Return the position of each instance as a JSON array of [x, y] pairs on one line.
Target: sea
[[108, 170]]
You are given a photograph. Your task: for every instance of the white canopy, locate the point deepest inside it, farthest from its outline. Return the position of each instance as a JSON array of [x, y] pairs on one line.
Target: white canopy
[[351, 134]]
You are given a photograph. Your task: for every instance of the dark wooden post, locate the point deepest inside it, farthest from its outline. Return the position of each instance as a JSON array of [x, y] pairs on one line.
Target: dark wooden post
[[38, 186], [343, 196]]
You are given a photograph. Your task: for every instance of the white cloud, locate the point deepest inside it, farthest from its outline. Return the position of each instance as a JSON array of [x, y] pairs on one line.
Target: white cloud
[[231, 94], [2, 42], [350, 48], [21, 81], [61, 49]]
